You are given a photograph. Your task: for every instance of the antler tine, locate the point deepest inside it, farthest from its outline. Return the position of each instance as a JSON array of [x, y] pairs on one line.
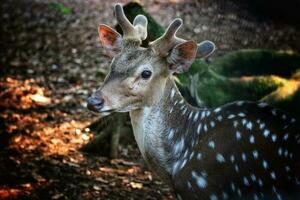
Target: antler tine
[[128, 29], [172, 29], [163, 44]]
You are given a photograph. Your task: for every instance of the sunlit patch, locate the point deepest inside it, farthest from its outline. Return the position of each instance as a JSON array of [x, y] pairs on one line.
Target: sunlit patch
[[23, 94]]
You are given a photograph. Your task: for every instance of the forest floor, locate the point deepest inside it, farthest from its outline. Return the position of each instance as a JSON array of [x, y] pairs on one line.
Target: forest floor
[[51, 60]]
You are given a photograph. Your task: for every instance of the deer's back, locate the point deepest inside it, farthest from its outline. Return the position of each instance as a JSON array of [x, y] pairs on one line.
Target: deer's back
[[247, 150]]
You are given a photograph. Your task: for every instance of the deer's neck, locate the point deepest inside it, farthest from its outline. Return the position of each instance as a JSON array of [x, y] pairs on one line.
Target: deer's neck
[[164, 131]]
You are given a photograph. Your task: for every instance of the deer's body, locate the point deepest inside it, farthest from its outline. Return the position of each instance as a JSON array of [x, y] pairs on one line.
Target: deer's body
[[240, 150], [224, 153]]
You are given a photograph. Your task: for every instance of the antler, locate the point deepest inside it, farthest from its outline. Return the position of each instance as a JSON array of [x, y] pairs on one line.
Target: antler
[[168, 40], [136, 31]]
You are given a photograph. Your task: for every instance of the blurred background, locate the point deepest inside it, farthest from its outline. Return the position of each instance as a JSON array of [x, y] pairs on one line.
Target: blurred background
[[51, 147]]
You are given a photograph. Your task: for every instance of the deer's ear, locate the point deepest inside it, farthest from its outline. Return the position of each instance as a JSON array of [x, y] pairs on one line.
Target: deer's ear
[[110, 39], [205, 48], [182, 56]]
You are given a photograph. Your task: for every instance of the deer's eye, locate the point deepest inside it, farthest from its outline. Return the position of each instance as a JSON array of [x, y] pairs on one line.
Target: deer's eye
[[146, 74]]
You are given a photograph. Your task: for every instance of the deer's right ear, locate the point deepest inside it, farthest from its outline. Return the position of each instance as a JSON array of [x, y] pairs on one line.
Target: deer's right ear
[[182, 56], [110, 39]]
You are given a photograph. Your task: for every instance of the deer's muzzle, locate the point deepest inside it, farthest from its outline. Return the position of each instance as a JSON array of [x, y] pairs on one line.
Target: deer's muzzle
[[95, 103]]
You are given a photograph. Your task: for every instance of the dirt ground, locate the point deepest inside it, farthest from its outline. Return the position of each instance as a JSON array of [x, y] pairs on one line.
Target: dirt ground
[[51, 60]]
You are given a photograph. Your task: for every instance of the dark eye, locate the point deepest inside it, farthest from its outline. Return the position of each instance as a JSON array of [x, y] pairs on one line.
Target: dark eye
[[146, 74]]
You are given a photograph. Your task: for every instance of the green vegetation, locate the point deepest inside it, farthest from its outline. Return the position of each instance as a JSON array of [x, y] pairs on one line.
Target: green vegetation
[[60, 7]]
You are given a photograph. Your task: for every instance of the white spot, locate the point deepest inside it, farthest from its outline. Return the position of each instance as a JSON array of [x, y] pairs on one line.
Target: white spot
[[207, 113], [175, 103], [185, 153], [224, 195], [231, 116], [232, 186], [286, 153], [212, 124], [202, 114], [205, 127], [172, 93], [274, 137], [262, 104], [184, 111], [253, 177], [252, 139], [255, 197], [283, 117], [280, 151], [191, 155], [199, 156], [255, 154], [171, 110], [232, 159], [220, 158], [274, 112], [235, 124], [175, 167], [239, 192], [249, 125], [217, 109], [244, 121], [238, 135], [171, 134], [199, 128], [179, 146], [191, 114], [286, 136], [211, 144], [196, 116], [266, 133], [287, 168], [181, 102], [219, 118], [273, 175], [278, 197], [244, 157], [265, 164], [239, 103], [213, 197], [262, 125], [293, 120], [236, 167], [242, 114], [178, 197], [246, 182], [260, 183], [183, 164], [201, 181]]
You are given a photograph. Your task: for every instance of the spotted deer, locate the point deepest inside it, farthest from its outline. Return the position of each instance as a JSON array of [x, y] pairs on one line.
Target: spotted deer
[[241, 150]]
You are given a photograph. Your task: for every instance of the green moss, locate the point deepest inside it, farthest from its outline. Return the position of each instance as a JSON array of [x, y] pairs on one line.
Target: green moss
[[257, 62]]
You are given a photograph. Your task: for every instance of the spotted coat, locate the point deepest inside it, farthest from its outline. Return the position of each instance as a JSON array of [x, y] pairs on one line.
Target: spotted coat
[[241, 150]]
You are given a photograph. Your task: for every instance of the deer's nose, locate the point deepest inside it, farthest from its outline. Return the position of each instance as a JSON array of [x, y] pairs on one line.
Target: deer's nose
[[95, 103]]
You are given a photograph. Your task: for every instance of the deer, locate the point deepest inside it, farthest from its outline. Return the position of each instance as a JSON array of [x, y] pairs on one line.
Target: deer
[[240, 150]]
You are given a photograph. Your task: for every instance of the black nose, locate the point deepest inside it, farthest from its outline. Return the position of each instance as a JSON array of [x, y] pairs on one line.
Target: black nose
[[95, 103]]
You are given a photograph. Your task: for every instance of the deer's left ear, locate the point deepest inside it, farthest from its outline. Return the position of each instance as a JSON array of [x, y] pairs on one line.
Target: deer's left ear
[[110, 39], [182, 56], [205, 49]]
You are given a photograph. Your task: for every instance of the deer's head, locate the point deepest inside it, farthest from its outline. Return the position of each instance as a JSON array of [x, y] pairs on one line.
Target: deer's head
[[137, 75]]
